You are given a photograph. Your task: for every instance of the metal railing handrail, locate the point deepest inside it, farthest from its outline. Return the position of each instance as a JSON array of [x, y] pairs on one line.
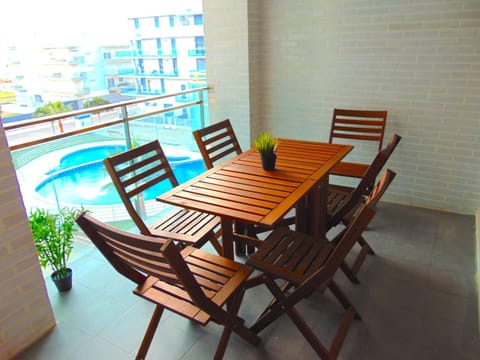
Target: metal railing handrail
[[96, 110]]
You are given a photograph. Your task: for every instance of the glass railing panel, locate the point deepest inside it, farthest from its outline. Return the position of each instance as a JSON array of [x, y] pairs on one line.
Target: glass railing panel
[[64, 167]]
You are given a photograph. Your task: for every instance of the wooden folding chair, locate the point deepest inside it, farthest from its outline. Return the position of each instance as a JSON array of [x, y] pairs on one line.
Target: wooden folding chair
[[137, 170], [217, 143], [192, 283], [305, 264], [372, 200], [359, 126], [342, 200]]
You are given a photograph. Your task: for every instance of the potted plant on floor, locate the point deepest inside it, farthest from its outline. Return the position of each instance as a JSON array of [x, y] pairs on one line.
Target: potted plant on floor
[[265, 143], [53, 234]]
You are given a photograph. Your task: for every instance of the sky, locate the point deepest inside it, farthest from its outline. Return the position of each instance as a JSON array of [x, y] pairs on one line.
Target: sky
[[29, 23], [66, 19]]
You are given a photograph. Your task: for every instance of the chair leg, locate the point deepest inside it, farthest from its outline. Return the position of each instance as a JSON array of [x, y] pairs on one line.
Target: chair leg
[[359, 260], [364, 243], [272, 311], [216, 244], [349, 273], [309, 335], [240, 247], [342, 332], [236, 325], [250, 232], [342, 298], [152, 327]]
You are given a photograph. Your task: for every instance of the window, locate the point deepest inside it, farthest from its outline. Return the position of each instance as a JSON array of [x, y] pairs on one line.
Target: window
[[175, 67], [201, 64], [172, 20], [107, 55], [183, 20], [137, 23], [199, 42], [198, 19], [162, 84], [139, 47], [157, 21], [111, 83]]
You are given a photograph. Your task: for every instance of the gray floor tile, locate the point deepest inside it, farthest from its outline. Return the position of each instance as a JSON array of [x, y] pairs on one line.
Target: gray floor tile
[[417, 299]]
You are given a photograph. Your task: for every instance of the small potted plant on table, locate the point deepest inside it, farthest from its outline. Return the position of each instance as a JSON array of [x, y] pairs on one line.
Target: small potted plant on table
[[265, 144], [53, 234]]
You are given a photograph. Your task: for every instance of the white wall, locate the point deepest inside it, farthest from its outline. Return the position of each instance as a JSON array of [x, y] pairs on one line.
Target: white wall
[[420, 60], [25, 312], [228, 64]]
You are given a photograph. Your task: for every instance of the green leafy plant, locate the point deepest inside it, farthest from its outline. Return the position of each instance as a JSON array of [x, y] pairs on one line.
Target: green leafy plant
[[265, 143], [53, 234]]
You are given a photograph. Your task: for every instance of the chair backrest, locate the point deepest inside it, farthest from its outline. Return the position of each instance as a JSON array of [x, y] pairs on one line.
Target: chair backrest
[[380, 188], [138, 256], [376, 166], [136, 170], [216, 142], [368, 125], [134, 256], [369, 178]]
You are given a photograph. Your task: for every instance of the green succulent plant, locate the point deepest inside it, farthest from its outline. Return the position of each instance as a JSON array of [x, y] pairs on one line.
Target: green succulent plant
[[265, 143]]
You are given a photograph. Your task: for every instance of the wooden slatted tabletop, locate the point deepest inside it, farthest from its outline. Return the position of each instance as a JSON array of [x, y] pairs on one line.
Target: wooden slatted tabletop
[[240, 189]]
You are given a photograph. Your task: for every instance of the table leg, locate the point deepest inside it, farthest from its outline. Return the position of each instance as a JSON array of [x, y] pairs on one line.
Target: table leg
[[319, 208], [311, 211], [227, 237], [301, 215]]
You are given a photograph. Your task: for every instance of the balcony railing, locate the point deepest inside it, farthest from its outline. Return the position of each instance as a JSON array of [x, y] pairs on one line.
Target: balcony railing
[[39, 145], [196, 52], [144, 54]]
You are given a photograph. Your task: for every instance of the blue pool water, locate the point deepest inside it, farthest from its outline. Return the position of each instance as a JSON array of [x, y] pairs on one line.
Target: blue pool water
[[81, 178]]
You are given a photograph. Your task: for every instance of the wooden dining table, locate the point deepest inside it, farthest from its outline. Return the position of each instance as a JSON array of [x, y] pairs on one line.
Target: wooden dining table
[[240, 190]]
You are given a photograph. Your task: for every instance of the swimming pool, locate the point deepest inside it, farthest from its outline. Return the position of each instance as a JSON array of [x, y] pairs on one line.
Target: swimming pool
[[80, 177]]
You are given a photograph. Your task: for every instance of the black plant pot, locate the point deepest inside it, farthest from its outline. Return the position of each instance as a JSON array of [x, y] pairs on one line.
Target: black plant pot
[[268, 161], [63, 283]]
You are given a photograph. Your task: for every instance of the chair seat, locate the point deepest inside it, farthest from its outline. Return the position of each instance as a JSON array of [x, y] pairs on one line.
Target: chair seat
[[217, 276], [338, 197], [290, 255], [350, 169], [186, 226]]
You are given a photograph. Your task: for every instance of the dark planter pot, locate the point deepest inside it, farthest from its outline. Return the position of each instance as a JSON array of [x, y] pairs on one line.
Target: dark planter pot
[[63, 283], [268, 161]]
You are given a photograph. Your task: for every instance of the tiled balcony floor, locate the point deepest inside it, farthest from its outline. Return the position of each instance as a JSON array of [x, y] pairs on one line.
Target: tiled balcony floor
[[417, 298]]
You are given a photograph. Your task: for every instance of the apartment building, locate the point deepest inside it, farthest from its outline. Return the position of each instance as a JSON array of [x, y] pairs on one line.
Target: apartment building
[[163, 53], [167, 52]]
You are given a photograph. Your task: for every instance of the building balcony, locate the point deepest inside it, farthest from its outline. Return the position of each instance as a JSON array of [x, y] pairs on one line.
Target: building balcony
[[196, 52], [143, 74], [136, 54]]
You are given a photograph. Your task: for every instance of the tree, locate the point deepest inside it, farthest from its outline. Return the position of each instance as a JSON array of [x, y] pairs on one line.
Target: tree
[[51, 108], [95, 101]]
